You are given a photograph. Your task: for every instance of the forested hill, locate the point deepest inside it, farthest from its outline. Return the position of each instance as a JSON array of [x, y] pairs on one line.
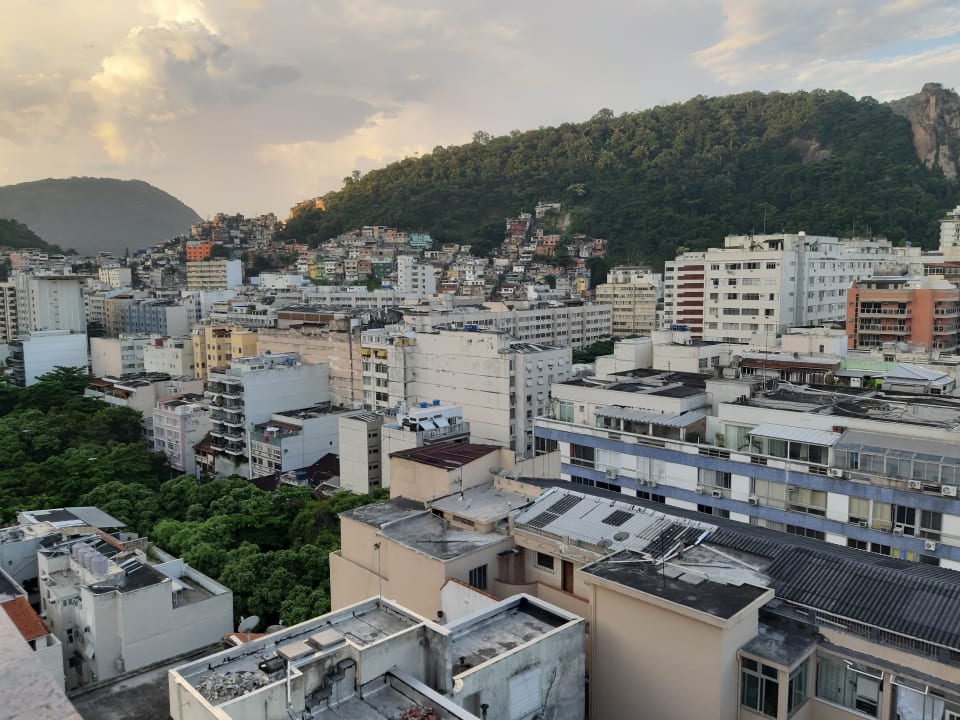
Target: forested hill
[[684, 174], [16, 235]]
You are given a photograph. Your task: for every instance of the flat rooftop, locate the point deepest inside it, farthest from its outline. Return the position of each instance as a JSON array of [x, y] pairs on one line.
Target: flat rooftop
[[71, 517], [781, 640], [501, 633], [380, 514], [435, 537], [688, 588], [483, 504]]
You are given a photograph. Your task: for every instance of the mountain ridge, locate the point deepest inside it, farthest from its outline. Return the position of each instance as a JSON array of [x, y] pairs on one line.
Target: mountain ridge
[[683, 174], [91, 214]]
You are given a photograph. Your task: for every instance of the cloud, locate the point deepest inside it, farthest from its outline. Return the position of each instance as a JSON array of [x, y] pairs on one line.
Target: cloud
[[109, 136]]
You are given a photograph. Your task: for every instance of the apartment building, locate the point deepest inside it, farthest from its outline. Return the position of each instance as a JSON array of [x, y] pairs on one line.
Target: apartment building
[[171, 355], [214, 274], [950, 233], [424, 424], [154, 317], [294, 439], [249, 392], [50, 302], [179, 423], [868, 469], [119, 606], [572, 324], [362, 467], [632, 294], [9, 326], [378, 660], [771, 625], [919, 311], [320, 336], [216, 346], [114, 276], [117, 356], [41, 352], [415, 278], [197, 250], [768, 283]]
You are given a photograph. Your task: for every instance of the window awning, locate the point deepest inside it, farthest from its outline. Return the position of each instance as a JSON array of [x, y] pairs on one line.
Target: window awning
[[427, 425], [648, 416], [795, 434]]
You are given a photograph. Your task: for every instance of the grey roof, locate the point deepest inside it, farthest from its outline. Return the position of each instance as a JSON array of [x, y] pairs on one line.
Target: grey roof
[[906, 372], [435, 537], [483, 503], [648, 416], [782, 640], [861, 441], [379, 515], [610, 524], [74, 517], [796, 434]]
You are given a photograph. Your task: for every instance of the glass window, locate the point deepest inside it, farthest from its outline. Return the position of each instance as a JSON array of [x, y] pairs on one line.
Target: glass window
[[544, 561], [478, 577], [565, 410], [849, 685], [759, 688], [797, 688]]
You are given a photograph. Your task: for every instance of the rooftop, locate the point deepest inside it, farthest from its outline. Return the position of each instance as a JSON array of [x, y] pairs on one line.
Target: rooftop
[[500, 633], [446, 455], [483, 503], [381, 514], [71, 517], [25, 618], [434, 537]]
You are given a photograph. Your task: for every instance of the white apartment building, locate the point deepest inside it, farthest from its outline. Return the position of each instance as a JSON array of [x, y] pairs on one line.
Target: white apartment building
[[950, 233], [117, 356], [115, 276], [250, 391], [562, 324], [294, 439], [171, 355], [179, 423], [38, 353], [358, 296], [415, 278], [426, 423], [8, 312], [50, 302], [214, 274], [119, 606], [361, 468], [767, 283]]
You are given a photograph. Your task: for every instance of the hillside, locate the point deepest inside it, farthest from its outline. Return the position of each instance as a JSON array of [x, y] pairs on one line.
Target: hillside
[[14, 234], [684, 174], [91, 214]]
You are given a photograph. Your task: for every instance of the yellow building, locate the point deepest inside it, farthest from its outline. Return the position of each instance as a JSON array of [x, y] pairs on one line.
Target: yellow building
[[216, 346], [632, 293]]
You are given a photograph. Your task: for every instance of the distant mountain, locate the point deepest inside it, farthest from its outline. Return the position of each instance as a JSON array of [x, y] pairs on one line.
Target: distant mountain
[[14, 234], [680, 175], [91, 214]]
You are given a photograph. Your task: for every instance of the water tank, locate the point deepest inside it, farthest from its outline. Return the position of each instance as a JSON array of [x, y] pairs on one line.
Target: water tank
[[75, 551], [436, 402], [99, 564], [301, 474], [423, 405]]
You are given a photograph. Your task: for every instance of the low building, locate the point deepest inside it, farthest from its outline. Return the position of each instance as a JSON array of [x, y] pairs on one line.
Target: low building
[[633, 294], [519, 658], [46, 648], [294, 439], [424, 424], [361, 469], [119, 606], [179, 423], [171, 355], [117, 356], [216, 346], [214, 274]]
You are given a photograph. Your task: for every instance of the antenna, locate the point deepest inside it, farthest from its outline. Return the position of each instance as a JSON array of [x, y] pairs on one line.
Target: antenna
[[247, 625]]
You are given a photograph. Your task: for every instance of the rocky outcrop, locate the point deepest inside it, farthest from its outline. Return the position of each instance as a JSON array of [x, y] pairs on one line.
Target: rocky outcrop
[[934, 115]]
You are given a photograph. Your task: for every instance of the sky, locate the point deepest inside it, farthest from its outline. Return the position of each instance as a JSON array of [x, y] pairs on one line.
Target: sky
[[253, 105]]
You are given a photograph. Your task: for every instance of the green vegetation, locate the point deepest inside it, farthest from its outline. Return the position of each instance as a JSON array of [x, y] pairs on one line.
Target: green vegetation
[[58, 448], [591, 352], [684, 174], [16, 235]]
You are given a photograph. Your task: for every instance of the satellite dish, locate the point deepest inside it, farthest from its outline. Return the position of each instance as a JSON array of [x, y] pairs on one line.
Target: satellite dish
[[621, 536], [248, 624], [274, 628], [605, 542]]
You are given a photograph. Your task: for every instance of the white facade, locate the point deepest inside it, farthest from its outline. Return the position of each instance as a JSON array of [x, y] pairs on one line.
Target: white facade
[[8, 312], [50, 302], [769, 283], [423, 424], [251, 391], [179, 423], [361, 464], [115, 276], [293, 440], [39, 353], [171, 355], [114, 611], [415, 278], [950, 233], [214, 274], [117, 356], [280, 281]]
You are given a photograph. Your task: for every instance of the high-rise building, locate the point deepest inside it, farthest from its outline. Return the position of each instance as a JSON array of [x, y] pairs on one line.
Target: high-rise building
[[415, 278], [50, 302], [214, 274], [41, 352], [216, 346], [179, 423], [8, 312], [117, 356], [950, 233], [632, 294]]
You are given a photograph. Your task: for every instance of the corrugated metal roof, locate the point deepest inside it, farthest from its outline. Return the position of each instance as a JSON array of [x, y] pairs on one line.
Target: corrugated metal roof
[[647, 416], [860, 441], [795, 434], [449, 455]]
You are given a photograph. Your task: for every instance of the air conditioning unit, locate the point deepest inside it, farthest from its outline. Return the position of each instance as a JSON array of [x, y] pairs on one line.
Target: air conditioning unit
[[753, 500], [717, 493], [652, 483], [898, 529], [929, 544], [699, 490], [611, 473], [948, 490], [835, 472], [862, 523], [914, 484]]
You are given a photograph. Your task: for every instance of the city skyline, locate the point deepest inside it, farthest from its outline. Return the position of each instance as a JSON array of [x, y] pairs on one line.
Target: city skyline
[[248, 106]]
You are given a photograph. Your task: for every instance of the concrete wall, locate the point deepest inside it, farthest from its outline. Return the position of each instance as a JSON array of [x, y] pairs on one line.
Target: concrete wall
[[457, 600], [419, 481]]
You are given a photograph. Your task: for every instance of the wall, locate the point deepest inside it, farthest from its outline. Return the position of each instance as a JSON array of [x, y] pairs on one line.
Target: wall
[[44, 353], [457, 600], [419, 481]]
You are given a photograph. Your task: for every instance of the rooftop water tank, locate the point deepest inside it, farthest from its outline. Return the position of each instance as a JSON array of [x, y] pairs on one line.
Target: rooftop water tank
[[436, 402], [423, 405]]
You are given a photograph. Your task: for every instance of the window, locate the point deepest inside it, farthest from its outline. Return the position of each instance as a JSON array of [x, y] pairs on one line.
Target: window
[[759, 687], [797, 689], [581, 455], [544, 561], [565, 410], [849, 685], [478, 577]]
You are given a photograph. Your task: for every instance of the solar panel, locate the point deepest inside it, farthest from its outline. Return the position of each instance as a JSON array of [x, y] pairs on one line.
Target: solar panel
[[543, 519], [564, 504], [617, 518]]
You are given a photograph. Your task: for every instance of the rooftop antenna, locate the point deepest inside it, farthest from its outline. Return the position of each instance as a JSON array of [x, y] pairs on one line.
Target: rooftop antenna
[[376, 546], [247, 625]]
